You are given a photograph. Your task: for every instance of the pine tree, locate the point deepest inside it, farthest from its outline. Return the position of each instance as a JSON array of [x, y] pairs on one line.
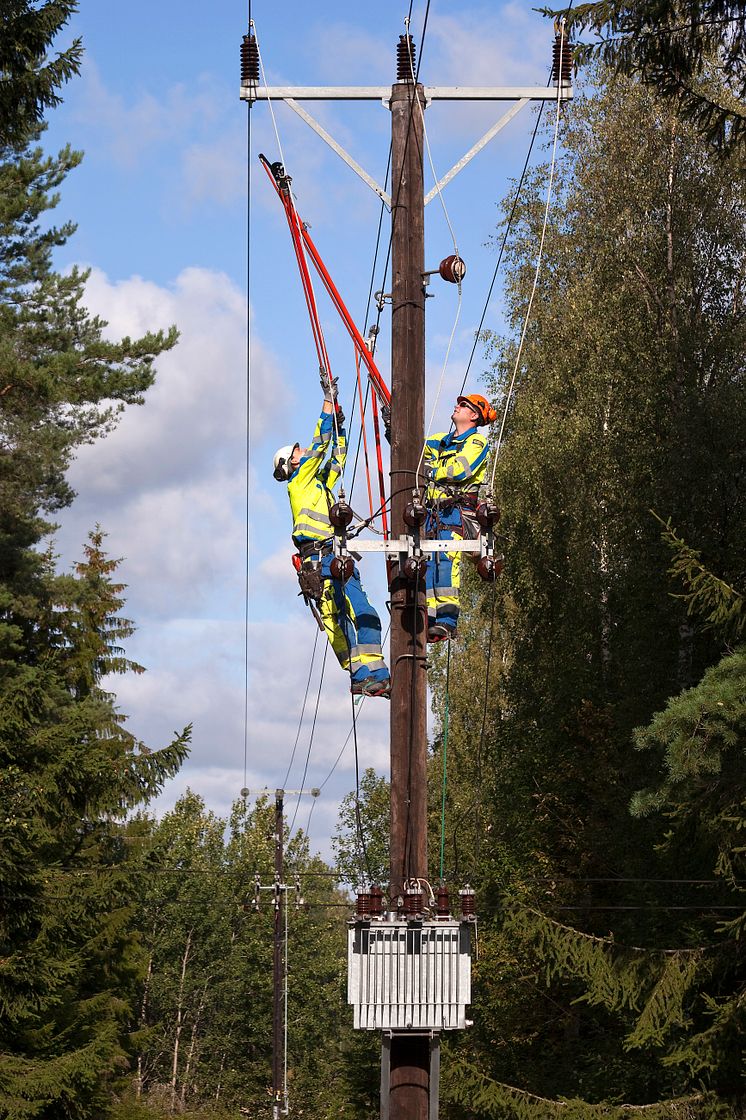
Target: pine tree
[[70, 770], [29, 80], [691, 51]]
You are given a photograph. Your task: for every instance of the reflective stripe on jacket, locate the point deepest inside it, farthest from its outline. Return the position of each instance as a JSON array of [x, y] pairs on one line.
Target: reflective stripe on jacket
[[310, 485], [458, 463]]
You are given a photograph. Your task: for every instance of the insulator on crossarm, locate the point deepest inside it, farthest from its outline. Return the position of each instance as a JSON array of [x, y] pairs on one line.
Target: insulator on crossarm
[[562, 59], [406, 59], [249, 61]]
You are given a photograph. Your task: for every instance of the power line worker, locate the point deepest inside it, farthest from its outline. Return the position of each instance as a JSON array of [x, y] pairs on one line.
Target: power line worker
[[351, 623], [455, 467]]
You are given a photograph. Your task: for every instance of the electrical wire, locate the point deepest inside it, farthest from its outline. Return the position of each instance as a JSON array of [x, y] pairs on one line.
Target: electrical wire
[[283, 784], [310, 739], [248, 441], [545, 223]]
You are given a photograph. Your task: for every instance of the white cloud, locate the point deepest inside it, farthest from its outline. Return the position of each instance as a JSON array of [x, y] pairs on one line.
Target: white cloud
[[130, 129]]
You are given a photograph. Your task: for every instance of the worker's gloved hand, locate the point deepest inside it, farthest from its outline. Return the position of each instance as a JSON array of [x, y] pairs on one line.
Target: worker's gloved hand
[[328, 386], [340, 415], [429, 473], [386, 417]]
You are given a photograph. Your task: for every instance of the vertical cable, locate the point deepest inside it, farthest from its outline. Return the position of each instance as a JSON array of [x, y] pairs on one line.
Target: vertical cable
[[248, 438], [445, 762]]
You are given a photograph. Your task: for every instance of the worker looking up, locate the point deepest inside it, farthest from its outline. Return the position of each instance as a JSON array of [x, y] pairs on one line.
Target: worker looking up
[[351, 623], [455, 465]]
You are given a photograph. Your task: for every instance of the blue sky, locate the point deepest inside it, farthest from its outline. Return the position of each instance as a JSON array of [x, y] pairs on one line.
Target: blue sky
[[162, 204]]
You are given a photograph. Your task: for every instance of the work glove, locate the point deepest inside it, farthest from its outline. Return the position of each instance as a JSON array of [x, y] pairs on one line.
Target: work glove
[[386, 417], [328, 386], [340, 415]]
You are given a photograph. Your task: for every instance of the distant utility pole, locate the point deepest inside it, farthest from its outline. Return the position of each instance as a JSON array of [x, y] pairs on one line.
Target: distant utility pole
[[279, 889], [416, 936]]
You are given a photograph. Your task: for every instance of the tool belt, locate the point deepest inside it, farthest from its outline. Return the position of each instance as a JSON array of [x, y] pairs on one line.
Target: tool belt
[[312, 550], [466, 504]]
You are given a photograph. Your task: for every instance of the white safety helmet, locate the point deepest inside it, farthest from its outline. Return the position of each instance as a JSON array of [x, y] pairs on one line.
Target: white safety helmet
[[281, 462]]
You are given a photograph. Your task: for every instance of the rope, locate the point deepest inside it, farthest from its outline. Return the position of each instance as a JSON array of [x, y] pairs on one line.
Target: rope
[[445, 764], [538, 264]]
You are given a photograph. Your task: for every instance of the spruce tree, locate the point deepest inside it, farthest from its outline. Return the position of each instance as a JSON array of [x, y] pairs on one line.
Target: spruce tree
[[70, 770]]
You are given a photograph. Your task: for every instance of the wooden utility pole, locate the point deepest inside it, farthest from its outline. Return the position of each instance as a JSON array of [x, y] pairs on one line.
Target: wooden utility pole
[[409, 1054], [408, 610]]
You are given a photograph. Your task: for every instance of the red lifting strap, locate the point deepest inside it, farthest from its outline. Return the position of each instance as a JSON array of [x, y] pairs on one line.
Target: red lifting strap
[[302, 240]]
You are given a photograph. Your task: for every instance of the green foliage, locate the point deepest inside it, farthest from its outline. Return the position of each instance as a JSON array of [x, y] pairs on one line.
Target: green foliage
[[707, 597], [629, 398], [691, 51], [701, 735], [361, 862], [470, 1088], [29, 79]]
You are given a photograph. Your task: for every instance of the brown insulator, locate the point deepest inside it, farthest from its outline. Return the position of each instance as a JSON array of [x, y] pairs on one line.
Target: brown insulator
[[249, 61], [414, 902], [376, 902], [342, 567], [406, 58], [489, 568], [414, 514], [443, 902], [562, 60], [468, 903], [488, 514], [414, 567], [363, 904], [340, 515], [452, 269]]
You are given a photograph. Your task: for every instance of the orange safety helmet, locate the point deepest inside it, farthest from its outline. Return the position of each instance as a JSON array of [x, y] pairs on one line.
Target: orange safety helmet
[[481, 406]]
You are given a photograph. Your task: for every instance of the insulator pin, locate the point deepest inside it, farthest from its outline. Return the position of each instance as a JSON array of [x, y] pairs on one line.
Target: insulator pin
[[249, 61], [340, 515], [489, 568], [452, 269], [468, 903], [414, 567], [405, 59], [487, 514], [342, 567], [414, 514], [562, 60]]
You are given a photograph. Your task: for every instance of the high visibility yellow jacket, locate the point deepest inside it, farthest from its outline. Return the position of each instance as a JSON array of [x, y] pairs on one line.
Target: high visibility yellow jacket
[[457, 464], [310, 485]]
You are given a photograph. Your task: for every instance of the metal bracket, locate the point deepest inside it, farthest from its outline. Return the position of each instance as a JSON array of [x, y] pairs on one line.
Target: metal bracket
[[320, 131], [476, 148]]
